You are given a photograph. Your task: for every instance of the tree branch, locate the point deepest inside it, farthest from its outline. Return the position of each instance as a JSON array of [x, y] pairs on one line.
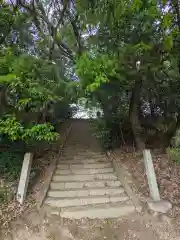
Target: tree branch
[[76, 32], [62, 13], [52, 30]]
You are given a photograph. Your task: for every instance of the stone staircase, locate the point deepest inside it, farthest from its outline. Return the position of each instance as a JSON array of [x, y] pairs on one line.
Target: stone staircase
[[84, 183]]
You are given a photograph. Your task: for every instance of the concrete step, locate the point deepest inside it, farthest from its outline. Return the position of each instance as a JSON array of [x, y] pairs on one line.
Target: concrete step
[[82, 178], [100, 211], [80, 157], [82, 161], [84, 171], [85, 192], [75, 155], [68, 202], [79, 152], [78, 166], [93, 184]]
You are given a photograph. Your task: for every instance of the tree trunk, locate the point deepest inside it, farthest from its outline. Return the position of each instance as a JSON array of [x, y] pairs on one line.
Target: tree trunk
[[134, 114], [3, 101]]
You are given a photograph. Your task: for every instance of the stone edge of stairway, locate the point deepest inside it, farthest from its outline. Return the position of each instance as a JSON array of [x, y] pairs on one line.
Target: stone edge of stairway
[[124, 177], [51, 169]]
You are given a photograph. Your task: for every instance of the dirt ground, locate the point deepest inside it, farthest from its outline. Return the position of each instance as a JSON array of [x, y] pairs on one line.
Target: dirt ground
[[35, 225], [167, 174]]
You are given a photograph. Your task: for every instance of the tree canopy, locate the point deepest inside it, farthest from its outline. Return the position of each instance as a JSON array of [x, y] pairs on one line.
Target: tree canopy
[[123, 56]]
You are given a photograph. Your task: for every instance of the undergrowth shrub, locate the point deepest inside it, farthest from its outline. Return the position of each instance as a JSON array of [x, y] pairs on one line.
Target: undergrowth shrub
[[174, 154], [103, 133], [174, 151], [2, 194], [11, 164]]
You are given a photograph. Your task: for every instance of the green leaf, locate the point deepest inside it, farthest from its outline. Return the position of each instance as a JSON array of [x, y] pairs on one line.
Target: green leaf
[[167, 20], [168, 43], [7, 78]]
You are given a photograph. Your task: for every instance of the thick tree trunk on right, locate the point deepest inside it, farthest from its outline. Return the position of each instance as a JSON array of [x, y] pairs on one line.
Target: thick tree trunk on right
[[134, 115]]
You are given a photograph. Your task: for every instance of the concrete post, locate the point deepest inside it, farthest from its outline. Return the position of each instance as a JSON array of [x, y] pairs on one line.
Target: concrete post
[[153, 187], [24, 179]]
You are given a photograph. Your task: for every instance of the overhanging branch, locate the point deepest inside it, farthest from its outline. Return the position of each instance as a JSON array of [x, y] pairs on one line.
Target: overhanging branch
[[41, 14]]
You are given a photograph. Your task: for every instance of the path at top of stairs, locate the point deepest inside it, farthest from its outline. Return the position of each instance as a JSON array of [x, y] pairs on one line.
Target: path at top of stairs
[[84, 183]]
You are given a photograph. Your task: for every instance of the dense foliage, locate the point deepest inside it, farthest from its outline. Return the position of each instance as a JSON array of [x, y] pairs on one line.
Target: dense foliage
[[36, 89], [132, 68], [125, 55]]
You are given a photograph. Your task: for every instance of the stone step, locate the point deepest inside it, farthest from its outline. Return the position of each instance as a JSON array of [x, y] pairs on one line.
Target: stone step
[[84, 171], [80, 152], [93, 184], [85, 192], [68, 202], [78, 166], [82, 161], [75, 154], [100, 211], [82, 178], [80, 158]]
